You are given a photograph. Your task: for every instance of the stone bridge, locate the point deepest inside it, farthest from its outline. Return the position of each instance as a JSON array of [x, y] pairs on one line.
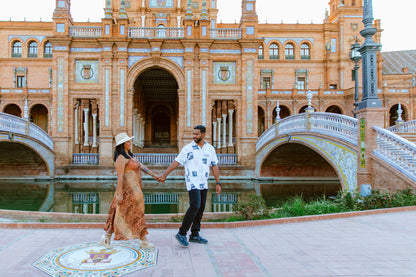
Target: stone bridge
[[332, 136], [18, 134]]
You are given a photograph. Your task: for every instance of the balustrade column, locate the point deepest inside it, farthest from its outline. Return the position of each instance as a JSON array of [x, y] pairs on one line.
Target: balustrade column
[[219, 133], [86, 114], [94, 130], [214, 132], [230, 128], [224, 130]]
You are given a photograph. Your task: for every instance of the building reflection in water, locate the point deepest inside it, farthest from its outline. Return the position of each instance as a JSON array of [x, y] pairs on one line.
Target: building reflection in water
[[87, 197]]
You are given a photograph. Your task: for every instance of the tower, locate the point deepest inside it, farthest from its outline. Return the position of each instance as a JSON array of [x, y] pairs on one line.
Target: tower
[[62, 17]]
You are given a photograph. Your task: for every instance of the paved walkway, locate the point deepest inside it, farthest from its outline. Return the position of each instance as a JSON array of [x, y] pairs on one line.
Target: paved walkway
[[377, 245]]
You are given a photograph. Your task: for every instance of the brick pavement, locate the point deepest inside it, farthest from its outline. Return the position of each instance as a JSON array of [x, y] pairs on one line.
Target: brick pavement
[[372, 245]]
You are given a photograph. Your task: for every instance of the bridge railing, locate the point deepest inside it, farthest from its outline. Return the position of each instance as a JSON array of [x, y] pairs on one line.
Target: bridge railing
[[406, 127], [17, 125], [335, 125], [396, 151]]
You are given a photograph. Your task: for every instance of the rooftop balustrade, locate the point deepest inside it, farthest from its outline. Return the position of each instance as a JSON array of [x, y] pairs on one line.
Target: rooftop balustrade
[[86, 31]]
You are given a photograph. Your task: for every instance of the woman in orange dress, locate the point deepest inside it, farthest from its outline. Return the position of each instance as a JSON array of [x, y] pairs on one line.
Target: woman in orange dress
[[126, 214]]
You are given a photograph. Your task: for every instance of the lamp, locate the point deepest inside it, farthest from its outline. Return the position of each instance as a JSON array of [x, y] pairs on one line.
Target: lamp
[[355, 56]]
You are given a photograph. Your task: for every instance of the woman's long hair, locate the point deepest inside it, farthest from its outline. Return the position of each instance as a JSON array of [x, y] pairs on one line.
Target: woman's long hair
[[121, 151]]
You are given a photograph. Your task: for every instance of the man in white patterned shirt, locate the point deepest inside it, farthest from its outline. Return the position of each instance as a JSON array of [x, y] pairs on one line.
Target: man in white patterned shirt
[[197, 157]]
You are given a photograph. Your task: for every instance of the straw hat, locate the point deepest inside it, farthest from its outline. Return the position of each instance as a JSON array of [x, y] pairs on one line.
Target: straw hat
[[122, 138]]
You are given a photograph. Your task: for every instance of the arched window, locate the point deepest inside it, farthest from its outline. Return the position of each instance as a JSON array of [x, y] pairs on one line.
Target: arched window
[[289, 51], [33, 50], [305, 52], [17, 49], [261, 52], [274, 51], [47, 53]]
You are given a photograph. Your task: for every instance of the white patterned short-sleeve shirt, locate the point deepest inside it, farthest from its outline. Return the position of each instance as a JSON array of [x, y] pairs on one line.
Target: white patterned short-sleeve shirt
[[197, 162]]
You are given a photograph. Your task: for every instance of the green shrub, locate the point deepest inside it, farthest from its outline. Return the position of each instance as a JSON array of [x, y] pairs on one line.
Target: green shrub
[[255, 206]]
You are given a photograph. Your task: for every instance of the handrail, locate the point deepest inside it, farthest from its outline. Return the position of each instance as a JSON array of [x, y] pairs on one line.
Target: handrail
[[396, 151], [336, 125], [17, 125]]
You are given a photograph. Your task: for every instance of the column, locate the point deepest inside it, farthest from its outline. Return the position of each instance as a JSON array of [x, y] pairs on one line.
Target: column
[[214, 133], [94, 130], [224, 131], [230, 128], [178, 18], [143, 3], [76, 123], [86, 113], [143, 21], [179, 3], [219, 134], [135, 127]]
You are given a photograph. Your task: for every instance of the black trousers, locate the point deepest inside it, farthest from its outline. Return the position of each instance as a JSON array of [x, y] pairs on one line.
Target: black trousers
[[193, 216]]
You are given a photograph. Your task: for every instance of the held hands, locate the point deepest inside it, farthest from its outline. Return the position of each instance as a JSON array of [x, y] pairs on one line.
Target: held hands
[[162, 178]]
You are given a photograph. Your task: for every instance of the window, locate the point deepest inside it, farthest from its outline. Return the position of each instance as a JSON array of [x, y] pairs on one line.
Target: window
[[47, 53], [305, 52], [274, 51], [122, 30], [250, 30], [261, 52], [333, 86], [17, 49], [266, 83], [33, 50], [301, 83], [289, 51], [20, 81]]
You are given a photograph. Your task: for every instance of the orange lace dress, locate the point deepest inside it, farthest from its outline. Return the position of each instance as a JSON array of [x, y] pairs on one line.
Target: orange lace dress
[[126, 220]]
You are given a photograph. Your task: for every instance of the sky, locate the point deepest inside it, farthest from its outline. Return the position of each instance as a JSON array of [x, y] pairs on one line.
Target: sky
[[395, 19]]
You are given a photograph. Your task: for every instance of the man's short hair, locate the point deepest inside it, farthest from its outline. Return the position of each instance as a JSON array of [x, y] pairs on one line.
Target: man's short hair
[[201, 128]]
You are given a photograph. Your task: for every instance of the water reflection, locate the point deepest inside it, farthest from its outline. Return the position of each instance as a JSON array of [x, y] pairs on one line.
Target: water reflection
[[94, 197]]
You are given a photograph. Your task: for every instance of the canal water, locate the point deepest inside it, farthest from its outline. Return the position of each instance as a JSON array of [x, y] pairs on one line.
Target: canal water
[[94, 197]]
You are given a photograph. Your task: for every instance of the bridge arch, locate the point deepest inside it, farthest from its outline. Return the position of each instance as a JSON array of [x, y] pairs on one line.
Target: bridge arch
[[20, 131], [332, 136]]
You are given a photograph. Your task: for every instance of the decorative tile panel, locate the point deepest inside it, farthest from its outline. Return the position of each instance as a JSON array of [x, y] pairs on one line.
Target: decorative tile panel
[[60, 96], [86, 71], [25, 38], [177, 60], [224, 73], [134, 59], [250, 96]]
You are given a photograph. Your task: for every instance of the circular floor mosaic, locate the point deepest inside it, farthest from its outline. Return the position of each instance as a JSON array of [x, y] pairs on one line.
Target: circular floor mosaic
[[93, 259]]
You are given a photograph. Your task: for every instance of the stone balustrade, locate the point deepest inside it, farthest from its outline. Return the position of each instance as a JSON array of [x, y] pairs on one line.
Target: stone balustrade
[[152, 32], [335, 125], [225, 33], [17, 125], [396, 151], [86, 31], [85, 158], [406, 127]]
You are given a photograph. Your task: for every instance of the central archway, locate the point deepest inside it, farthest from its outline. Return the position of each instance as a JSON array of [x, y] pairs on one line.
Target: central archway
[[156, 104]]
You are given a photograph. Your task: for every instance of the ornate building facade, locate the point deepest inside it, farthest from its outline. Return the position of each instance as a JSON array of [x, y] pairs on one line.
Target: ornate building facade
[[157, 68]]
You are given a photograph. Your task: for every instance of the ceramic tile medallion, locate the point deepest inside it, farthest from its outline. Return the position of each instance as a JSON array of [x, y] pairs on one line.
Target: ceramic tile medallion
[[86, 71], [224, 73], [93, 259]]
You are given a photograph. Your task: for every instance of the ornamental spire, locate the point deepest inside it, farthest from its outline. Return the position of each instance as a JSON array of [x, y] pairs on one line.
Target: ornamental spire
[[123, 13], [189, 14], [108, 12]]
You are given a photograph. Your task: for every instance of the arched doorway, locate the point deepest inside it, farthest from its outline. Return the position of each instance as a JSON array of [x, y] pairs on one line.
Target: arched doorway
[[261, 121], [13, 109], [155, 110], [39, 116], [333, 109], [303, 109], [393, 116]]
